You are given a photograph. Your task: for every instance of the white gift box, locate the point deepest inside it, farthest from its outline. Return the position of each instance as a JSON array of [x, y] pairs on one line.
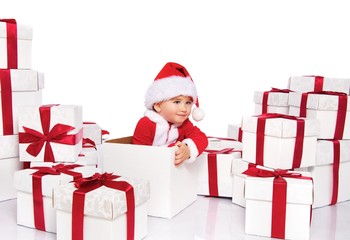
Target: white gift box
[[24, 46], [172, 188], [238, 181], [323, 173], [91, 156], [71, 115], [23, 185], [92, 131], [307, 84], [8, 166], [215, 178], [279, 142], [26, 86], [104, 209], [218, 143], [9, 146], [234, 131], [277, 102], [324, 108], [258, 215]]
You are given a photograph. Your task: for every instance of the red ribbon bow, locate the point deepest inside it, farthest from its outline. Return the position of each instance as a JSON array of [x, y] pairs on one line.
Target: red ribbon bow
[[12, 50], [38, 205], [86, 185]]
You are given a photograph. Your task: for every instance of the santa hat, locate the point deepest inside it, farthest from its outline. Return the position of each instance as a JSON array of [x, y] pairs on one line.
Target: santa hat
[[173, 80]]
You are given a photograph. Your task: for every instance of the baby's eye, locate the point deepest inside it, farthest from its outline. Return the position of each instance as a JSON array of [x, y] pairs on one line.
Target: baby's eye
[[189, 103], [177, 102]]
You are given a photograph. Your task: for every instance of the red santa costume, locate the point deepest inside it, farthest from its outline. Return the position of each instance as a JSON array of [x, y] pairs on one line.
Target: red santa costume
[[152, 129]]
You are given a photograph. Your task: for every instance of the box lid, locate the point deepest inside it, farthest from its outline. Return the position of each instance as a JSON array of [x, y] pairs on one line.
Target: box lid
[[23, 31], [281, 127], [299, 191], [274, 98], [102, 202], [307, 84], [217, 143], [25, 80], [325, 151]]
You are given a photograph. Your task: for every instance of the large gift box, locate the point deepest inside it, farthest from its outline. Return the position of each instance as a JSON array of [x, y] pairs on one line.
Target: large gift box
[[329, 108], [104, 206], [34, 192], [15, 45], [279, 141], [213, 168], [17, 88], [278, 203], [318, 83], [8, 166], [172, 188], [331, 174], [50, 133], [273, 101]]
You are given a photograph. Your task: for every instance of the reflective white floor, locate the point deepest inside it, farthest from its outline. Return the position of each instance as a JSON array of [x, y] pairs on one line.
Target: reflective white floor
[[207, 218]]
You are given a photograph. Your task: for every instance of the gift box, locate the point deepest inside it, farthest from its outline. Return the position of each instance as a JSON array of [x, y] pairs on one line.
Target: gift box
[[213, 171], [234, 131], [278, 204], [57, 127], [17, 88], [318, 83], [331, 174], [172, 188], [8, 166], [116, 206], [9, 146], [34, 192], [15, 45], [279, 141], [329, 108], [274, 101], [219, 143], [91, 156], [93, 132]]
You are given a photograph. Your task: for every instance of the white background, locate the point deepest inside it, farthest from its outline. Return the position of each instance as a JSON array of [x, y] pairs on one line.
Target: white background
[[104, 54]]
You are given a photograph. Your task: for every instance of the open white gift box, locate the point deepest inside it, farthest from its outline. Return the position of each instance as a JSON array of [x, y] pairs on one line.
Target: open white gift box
[[27, 206], [318, 83], [281, 138], [277, 102], [287, 219], [58, 126], [324, 108], [105, 211], [331, 176], [23, 42], [172, 188]]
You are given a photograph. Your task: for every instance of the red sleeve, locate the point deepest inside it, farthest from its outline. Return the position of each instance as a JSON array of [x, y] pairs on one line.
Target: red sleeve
[[188, 130], [144, 132]]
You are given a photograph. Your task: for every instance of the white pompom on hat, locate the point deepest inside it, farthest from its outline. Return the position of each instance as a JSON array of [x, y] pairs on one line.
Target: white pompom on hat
[[173, 80]]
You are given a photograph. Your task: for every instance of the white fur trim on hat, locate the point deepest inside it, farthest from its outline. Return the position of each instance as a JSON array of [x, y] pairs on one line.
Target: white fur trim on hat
[[169, 87]]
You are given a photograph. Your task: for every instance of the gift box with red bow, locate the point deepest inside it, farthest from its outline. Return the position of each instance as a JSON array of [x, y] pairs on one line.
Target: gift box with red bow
[[50, 133], [15, 45], [273, 101], [115, 205], [34, 192], [279, 141]]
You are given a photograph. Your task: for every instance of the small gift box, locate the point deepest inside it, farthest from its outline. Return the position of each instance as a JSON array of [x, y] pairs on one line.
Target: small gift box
[[34, 192], [279, 141], [15, 45], [278, 203], [273, 101], [329, 108], [50, 133], [116, 206], [318, 83]]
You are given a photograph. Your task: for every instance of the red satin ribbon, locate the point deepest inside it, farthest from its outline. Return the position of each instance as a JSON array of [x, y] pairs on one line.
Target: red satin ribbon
[[213, 171], [88, 143], [11, 31], [38, 205], [86, 185], [279, 196], [260, 137], [266, 97], [318, 83], [341, 112], [58, 134], [6, 102], [336, 164]]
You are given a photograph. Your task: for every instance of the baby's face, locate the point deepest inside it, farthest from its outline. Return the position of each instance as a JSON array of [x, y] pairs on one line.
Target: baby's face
[[175, 110]]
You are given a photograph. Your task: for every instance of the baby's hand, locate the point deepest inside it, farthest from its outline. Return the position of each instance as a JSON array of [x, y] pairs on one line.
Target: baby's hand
[[182, 154]]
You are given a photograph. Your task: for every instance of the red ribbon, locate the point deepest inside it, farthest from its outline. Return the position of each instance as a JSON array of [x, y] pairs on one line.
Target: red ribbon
[[279, 196], [88, 143], [6, 102], [260, 137], [86, 185], [58, 134], [38, 205], [336, 164], [11, 32], [213, 171], [266, 97], [341, 112]]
